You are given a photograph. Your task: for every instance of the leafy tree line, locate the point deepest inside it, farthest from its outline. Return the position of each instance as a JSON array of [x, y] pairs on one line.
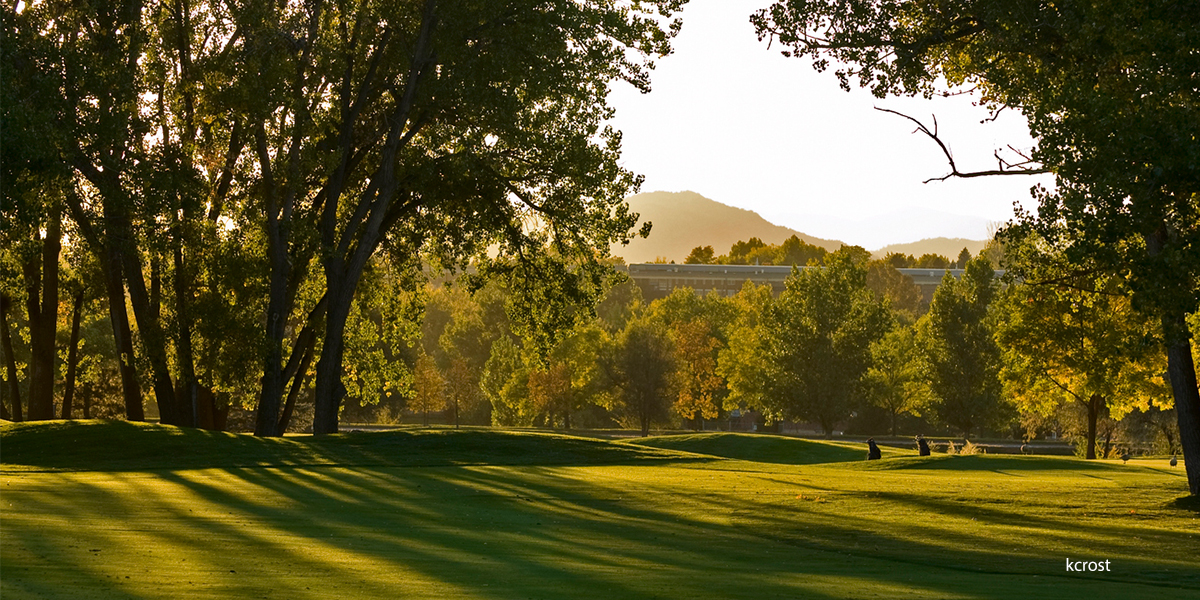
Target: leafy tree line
[[793, 251], [234, 171], [985, 358], [797, 252], [832, 350]]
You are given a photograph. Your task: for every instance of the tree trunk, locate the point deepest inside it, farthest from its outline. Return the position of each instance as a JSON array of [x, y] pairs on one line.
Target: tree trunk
[[122, 335], [267, 418], [154, 341], [271, 404], [1181, 370], [1093, 413], [827, 428], [341, 280], [330, 391], [1108, 437], [156, 285], [348, 250], [10, 360], [72, 355], [208, 415], [110, 264], [188, 396], [122, 243], [43, 319], [298, 380]]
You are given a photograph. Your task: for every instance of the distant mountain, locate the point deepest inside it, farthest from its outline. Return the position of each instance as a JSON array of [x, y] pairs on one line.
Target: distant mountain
[[892, 227], [684, 220], [948, 247]]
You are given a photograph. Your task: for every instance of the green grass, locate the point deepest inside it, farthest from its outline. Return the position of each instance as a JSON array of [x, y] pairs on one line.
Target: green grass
[[131, 511]]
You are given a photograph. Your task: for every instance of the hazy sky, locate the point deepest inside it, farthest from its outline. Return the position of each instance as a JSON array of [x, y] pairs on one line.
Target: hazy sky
[[735, 121]]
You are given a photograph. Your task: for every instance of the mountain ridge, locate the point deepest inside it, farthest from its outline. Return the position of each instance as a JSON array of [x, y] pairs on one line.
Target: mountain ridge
[[684, 220]]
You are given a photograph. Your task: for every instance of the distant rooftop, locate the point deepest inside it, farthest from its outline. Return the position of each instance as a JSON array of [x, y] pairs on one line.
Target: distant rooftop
[[657, 280]]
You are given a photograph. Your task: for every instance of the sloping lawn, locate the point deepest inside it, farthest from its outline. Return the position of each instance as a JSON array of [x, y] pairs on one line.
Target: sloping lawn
[[89, 511], [766, 448]]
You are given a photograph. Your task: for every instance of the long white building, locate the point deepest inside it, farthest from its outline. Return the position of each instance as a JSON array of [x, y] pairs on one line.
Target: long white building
[[657, 280]]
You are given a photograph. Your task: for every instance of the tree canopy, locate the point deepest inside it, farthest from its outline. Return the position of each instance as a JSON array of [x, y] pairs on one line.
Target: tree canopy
[[818, 339], [962, 357]]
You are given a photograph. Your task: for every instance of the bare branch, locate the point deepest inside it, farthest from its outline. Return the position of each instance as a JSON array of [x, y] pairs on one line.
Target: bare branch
[[1005, 168], [995, 115]]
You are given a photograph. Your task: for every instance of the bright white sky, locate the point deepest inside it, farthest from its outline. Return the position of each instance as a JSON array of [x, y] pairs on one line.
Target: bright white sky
[[738, 123]]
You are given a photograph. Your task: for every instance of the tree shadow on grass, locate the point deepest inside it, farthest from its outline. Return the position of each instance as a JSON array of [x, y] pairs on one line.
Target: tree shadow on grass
[[126, 446], [503, 532], [1189, 503], [542, 530]]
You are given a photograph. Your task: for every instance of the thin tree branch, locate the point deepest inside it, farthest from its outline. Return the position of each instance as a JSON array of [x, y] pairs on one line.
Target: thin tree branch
[[1005, 168]]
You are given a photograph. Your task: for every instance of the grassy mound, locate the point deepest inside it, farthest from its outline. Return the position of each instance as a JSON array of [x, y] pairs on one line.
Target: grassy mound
[[125, 446], [766, 448]]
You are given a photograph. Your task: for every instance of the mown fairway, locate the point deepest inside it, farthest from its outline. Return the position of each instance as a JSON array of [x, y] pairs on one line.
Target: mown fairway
[[130, 511]]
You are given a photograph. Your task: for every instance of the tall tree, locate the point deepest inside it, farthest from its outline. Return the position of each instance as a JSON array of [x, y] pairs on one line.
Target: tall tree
[[79, 292], [128, 125], [962, 358], [897, 288], [700, 255], [462, 389], [795, 251], [897, 381], [818, 340], [103, 87], [638, 365], [741, 362], [1071, 337], [698, 326], [1109, 92], [12, 387], [550, 393], [428, 388], [41, 300], [963, 258], [698, 387], [578, 354], [503, 366]]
